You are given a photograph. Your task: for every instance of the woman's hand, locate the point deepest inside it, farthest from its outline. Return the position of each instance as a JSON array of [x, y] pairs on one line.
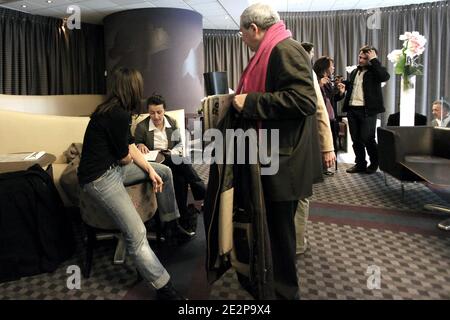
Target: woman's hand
[[156, 180], [324, 81], [143, 148]]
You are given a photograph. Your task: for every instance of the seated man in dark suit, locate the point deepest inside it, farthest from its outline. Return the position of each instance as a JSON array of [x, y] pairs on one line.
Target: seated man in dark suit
[[155, 133], [419, 119]]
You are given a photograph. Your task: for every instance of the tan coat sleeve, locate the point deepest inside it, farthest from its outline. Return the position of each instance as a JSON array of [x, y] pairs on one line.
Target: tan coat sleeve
[[323, 122]]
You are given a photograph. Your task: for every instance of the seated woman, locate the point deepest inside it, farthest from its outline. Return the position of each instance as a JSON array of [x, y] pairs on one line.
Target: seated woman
[[110, 161], [156, 132]]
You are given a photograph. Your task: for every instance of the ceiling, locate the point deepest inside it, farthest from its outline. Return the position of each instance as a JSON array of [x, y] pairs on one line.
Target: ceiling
[[217, 14]]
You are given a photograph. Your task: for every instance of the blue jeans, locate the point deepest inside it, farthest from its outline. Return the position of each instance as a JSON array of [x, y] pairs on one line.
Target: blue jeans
[[109, 192]]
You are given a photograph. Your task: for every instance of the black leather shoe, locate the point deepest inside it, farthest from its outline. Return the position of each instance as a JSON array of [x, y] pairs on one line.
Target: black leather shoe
[[372, 169], [168, 292], [328, 173], [356, 169], [184, 235]]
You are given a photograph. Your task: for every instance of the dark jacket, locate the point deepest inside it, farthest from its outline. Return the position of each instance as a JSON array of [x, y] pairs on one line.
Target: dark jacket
[[332, 93], [289, 105], [373, 97], [142, 135], [35, 231], [235, 194]]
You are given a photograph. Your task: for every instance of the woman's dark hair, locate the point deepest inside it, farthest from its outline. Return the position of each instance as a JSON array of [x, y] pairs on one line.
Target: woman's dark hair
[[125, 90], [307, 46], [156, 99], [321, 66]]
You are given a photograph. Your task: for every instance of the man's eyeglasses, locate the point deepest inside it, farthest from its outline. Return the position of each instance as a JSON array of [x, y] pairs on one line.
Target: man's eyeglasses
[[239, 34]]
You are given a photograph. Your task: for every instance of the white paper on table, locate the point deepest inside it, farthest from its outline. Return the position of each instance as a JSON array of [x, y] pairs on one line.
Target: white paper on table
[[35, 155], [14, 157], [151, 155]]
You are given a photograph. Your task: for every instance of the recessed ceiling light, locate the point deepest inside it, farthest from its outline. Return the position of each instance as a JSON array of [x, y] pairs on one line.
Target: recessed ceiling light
[[24, 6], [49, 1]]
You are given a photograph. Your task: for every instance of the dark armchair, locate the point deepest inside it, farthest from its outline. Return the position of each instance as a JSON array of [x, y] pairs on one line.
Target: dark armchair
[[424, 150], [396, 142], [401, 144]]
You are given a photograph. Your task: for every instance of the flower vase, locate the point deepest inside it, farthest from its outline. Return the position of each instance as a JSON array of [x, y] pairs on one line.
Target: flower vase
[[407, 101]]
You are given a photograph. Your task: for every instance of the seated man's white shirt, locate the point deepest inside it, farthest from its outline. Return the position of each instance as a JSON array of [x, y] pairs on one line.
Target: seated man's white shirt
[[160, 140], [160, 137]]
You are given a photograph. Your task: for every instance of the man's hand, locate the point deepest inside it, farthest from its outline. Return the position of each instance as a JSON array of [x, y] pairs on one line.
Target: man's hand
[[341, 88], [371, 54], [239, 101], [143, 148], [156, 181], [328, 159]]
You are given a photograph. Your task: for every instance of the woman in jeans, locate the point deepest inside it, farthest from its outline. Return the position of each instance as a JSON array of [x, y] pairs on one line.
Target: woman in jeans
[[110, 161]]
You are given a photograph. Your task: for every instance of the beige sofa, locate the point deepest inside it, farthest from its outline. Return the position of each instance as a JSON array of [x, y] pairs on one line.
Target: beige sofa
[[23, 132]]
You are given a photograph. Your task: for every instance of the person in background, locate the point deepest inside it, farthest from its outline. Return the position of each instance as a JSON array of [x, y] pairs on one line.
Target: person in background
[[159, 132], [277, 91], [328, 158], [441, 114], [324, 68], [110, 161], [309, 48], [363, 101]]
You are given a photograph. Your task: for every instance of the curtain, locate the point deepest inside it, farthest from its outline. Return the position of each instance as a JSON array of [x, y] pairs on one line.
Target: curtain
[[225, 51], [340, 34], [39, 56]]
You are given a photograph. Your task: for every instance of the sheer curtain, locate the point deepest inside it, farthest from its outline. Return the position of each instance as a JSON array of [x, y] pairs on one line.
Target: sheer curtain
[[340, 34], [40, 57]]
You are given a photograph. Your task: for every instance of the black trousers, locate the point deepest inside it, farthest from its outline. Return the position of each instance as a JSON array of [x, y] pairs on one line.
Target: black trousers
[[362, 130], [280, 220], [184, 175]]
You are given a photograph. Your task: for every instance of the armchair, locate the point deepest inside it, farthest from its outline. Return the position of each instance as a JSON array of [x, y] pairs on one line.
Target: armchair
[[396, 142], [417, 154]]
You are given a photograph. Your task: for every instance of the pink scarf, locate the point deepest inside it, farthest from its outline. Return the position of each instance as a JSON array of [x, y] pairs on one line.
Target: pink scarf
[[254, 77]]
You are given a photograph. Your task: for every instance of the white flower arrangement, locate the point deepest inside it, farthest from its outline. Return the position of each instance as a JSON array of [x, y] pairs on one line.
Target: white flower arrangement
[[405, 59]]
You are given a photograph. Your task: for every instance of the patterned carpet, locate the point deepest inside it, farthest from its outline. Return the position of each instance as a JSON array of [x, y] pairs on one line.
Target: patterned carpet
[[356, 221], [374, 228]]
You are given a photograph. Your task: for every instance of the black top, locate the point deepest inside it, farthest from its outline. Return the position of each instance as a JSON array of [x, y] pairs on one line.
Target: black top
[[105, 142]]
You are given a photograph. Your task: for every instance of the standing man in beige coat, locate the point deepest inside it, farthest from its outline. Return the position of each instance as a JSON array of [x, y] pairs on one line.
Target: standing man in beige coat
[[328, 159]]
